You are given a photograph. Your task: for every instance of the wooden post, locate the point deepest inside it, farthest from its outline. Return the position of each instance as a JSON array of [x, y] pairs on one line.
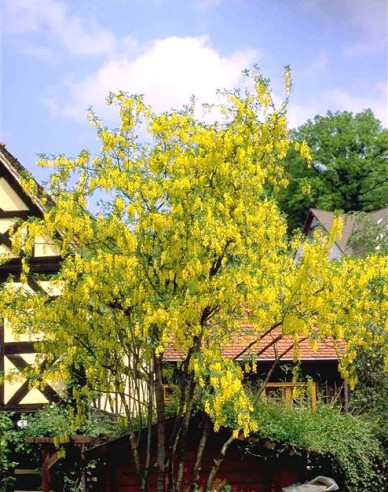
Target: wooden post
[[45, 470], [346, 396]]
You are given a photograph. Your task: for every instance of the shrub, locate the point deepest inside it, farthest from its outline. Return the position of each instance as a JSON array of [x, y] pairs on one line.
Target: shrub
[[341, 444], [59, 422], [369, 397], [6, 465]]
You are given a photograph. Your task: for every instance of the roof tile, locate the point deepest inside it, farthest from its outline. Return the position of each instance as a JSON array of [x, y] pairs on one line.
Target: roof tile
[[325, 349]]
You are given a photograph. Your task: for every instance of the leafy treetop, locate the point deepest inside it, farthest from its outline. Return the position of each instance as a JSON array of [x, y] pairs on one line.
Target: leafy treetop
[[349, 166]]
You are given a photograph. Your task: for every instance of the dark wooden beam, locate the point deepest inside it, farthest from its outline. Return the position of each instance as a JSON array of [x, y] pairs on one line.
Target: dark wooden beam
[[14, 214], [50, 394], [18, 348], [20, 364], [346, 396], [4, 239], [42, 264], [18, 396], [73, 438], [308, 222], [25, 407], [15, 401], [18, 361], [2, 350], [34, 285], [45, 470]]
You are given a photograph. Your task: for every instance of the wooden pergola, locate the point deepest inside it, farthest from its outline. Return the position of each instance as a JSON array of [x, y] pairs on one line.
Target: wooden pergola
[[50, 453]]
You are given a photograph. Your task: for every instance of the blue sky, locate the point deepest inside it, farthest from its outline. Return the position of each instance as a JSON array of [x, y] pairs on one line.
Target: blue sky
[[60, 56]]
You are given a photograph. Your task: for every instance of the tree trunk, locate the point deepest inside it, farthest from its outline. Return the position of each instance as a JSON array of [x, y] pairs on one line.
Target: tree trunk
[[144, 479], [183, 436], [200, 450], [185, 400], [161, 425], [217, 463]]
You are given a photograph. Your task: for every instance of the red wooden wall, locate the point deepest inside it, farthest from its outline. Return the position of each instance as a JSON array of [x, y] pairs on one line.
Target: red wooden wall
[[243, 473]]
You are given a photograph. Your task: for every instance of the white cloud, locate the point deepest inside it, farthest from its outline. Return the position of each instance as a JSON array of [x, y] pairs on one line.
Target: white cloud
[[339, 100], [50, 17], [369, 18], [205, 4], [208, 4], [372, 19], [168, 73], [370, 15], [319, 65], [41, 53], [365, 48]]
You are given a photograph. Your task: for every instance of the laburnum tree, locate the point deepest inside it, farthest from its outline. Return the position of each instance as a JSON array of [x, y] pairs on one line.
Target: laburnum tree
[[187, 247]]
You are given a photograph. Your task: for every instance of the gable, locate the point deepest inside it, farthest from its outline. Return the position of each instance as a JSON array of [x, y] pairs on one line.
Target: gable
[[16, 204], [324, 220], [9, 198], [17, 390], [14, 201]]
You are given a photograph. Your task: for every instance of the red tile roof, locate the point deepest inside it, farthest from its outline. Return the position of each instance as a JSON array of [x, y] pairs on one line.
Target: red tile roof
[[327, 349]]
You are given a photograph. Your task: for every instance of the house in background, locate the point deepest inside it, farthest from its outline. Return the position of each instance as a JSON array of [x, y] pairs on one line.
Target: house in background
[[323, 220], [274, 357], [20, 394], [17, 354]]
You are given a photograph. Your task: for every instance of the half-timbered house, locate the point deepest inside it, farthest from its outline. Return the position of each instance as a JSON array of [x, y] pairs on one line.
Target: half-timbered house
[[16, 354]]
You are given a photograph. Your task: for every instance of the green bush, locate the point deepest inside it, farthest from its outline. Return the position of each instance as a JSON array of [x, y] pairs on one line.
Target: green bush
[[369, 397], [342, 444], [6, 465], [59, 422]]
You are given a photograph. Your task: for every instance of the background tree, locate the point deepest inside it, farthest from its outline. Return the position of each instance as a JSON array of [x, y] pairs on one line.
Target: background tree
[[369, 236], [188, 246], [349, 170]]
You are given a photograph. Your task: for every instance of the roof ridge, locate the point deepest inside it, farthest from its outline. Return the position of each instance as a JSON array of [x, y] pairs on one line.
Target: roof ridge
[[17, 169]]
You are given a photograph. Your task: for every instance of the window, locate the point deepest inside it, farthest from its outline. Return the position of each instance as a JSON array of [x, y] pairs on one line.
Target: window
[[168, 394], [292, 393]]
